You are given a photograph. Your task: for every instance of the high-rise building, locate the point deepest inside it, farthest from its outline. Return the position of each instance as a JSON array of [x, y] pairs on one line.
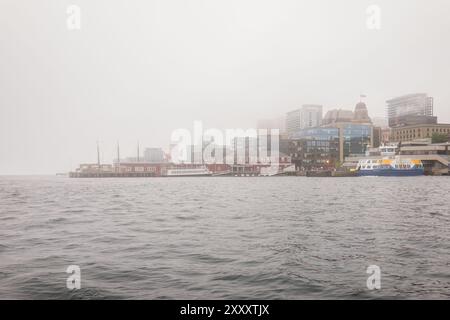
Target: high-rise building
[[410, 109], [310, 116], [293, 121]]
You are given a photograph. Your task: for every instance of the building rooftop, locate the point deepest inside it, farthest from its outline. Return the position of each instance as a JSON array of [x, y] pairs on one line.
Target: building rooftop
[[406, 96]]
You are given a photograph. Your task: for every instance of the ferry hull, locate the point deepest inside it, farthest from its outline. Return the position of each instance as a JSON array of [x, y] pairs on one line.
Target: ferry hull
[[188, 175], [391, 173]]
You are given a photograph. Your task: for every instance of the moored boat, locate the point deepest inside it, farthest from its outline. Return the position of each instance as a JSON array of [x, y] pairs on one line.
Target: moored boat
[[188, 172], [395, 167]]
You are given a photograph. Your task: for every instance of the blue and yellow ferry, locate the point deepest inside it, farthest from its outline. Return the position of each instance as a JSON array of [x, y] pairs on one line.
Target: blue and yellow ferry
[[396, 167]]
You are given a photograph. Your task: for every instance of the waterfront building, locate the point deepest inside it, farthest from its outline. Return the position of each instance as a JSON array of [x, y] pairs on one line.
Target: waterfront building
[[355, 139], [122, 169], [316, 148], [435, 157], [327, 146], [420, 131], [410, 109], [138, 169]]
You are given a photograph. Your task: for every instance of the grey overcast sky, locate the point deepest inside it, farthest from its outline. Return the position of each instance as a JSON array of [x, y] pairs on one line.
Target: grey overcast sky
[[136, 70]]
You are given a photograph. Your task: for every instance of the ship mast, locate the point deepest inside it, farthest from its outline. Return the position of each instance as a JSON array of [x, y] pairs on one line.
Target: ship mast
[[138, 152], [98, 156], [118, 153]]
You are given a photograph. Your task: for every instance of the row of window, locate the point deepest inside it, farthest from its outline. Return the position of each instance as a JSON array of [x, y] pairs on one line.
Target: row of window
[[138, 169], [419, 133], [187, 171]]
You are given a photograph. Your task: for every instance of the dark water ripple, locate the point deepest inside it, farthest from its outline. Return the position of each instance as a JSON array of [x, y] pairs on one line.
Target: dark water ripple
[[232, 238]]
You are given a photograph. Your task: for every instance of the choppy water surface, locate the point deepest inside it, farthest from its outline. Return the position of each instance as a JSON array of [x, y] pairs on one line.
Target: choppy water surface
[[240, 238]]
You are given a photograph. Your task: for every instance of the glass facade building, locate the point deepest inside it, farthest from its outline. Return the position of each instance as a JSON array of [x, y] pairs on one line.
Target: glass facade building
[[357, 138], [325, 147], [315, 148]]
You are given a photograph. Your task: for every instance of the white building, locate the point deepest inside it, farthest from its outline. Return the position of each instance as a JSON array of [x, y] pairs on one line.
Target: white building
[[417, 104], [308, 116], [311, 116], [293, 122]]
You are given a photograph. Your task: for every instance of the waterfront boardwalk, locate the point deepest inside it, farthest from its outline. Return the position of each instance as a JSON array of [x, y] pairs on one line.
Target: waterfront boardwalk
[[112, 174]]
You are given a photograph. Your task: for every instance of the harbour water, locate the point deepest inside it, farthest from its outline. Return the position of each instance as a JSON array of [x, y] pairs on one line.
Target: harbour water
[[225, 238]]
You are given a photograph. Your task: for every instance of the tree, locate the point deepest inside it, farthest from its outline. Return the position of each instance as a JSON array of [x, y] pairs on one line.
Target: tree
[[439, 138]]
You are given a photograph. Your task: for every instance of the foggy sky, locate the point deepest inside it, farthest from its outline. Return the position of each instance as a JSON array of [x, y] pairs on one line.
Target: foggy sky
[[137, 70]]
